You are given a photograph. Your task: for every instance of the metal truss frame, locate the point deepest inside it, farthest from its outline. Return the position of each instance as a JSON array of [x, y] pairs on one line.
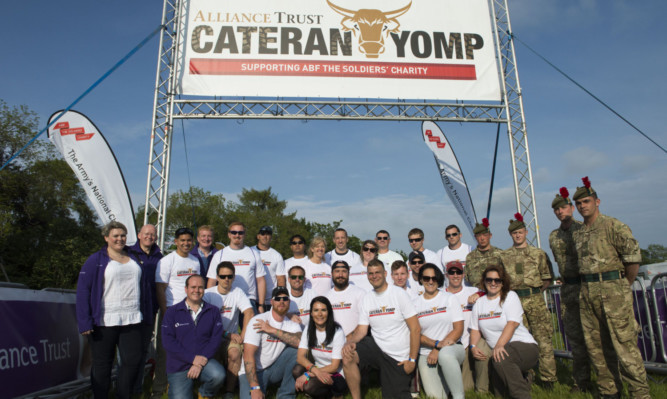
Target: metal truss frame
[[168, 107]]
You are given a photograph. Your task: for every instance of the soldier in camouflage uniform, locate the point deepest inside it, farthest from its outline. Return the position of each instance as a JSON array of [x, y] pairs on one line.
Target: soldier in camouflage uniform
[[562, 246], [529, 269], [609, 259], [484, 255]]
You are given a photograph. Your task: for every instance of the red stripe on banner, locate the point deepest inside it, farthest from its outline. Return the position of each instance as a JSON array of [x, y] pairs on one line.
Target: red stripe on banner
[[205, 66], [76, 130], [62, 125], [84, 136], [429, 133], [434, 139], [441, 145]]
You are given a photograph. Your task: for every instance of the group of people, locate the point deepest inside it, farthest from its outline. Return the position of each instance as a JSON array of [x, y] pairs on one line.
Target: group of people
[[450, 321]]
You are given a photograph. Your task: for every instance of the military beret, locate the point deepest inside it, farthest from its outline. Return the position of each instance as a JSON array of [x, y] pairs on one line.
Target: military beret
[[561, 199], [516, 224], [585, 191], [482, 228]]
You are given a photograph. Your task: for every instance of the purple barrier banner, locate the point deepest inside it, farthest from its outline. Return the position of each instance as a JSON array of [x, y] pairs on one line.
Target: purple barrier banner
[[661, 300], [644, 339], [39, 343]]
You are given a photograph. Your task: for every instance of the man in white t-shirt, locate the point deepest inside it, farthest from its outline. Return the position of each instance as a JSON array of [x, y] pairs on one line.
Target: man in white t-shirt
[[170, 275], [416, 240], [387, 256], [455, 249], [273, 262], [341, 251], [250, 271], [300, 297], [415, 261], [400, 275], [297, 245], [231, 302], [269, 351], [345, 298], [394, 344]]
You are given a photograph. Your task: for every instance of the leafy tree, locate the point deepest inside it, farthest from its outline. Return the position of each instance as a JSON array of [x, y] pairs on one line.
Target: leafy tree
[[655, 253]]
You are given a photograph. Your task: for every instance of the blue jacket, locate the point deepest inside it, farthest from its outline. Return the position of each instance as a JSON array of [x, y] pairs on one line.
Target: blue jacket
[[183, 340], [203, 268], [90, 288], [148, 263]]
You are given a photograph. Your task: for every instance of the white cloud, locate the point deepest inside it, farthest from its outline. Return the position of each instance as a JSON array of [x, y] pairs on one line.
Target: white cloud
[[584, 158]]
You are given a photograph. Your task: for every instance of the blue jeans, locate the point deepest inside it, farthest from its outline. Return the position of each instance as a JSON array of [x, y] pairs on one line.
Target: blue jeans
[[212, 377], [280, 372]]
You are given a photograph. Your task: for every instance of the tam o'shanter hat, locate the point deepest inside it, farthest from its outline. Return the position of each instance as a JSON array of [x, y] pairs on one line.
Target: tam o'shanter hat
[[585, 191], [482, 228], [561, 199], [516, 224]]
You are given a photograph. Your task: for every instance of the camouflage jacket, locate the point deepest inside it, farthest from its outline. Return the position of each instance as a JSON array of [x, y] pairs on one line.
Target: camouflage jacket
[[477, 261], [527, 267], [565, 254], [605, 245]]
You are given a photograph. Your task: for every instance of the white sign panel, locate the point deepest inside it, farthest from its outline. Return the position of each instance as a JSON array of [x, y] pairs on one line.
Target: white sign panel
[[419, 49]]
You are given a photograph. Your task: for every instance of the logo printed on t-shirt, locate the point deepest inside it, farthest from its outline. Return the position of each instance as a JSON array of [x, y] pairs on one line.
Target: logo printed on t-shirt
[[432, 311], [491, 315], [341, 306], [188, 272], [242, 262], [383, 311], [323, 348], [320, 275], [226, 309]]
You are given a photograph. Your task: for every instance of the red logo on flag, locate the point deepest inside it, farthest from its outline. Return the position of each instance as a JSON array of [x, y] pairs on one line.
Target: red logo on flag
[[434, 139], [440, 145], [78, 132], [84, 136], [429, 133], [62, 125]]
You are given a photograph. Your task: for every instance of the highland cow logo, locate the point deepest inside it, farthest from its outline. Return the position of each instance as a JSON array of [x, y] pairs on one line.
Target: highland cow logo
[[373, 26]]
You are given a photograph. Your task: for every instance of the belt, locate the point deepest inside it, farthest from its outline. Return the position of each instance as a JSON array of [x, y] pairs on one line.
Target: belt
[[572, 280], [606, 276], [527, 292]]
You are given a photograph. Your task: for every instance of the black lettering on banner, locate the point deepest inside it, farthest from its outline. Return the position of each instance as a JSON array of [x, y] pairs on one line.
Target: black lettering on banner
[[226, 40], [454, 44], [316, 42], [265, 39], [290, 37], [196, 39], [247, 37], [345, 42], [414, 44], [473, 42], [400, 43]]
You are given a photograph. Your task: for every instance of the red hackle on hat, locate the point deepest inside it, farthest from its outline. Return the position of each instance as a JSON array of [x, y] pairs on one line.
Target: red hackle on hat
[[587, 183], [518, 217], [485, 222], [564, 193]]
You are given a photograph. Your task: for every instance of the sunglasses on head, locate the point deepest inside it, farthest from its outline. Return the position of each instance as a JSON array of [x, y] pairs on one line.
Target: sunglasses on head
[[236, 232], [490, 280], [451, 235], [281, 298], [370, 249], [381, 238], [415, 239], [428, 279], [226, 276], [451, 272], [297, 243], [297, 277]]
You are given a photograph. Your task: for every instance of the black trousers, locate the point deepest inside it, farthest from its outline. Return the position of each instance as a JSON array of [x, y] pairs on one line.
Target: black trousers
[[103, 342]]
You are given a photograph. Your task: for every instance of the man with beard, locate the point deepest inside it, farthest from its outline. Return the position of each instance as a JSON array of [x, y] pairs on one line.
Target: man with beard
[[345, 298]]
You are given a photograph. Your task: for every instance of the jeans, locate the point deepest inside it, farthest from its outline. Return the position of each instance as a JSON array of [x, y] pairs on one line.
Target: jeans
[[444, 376], [212, 377], [280, 372], [104, 341]]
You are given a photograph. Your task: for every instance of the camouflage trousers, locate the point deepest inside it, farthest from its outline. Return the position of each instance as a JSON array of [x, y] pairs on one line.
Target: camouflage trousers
[[581, 366], [607, 315], [537, 319]]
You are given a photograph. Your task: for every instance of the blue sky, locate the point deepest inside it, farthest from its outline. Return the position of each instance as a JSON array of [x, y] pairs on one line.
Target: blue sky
[[375, 174]]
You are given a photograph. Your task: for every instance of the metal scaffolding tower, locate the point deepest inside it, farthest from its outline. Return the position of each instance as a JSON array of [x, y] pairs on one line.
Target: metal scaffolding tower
[[168, 107]]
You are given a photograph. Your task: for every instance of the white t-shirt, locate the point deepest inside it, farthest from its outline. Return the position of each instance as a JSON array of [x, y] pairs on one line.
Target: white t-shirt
[[350, 257], [174, 269], [275, 266], [432, 257], [230, 305], [301, 305], [436, 316], [386, 313], [358, 277], [446, 255], [346, 304], [466, 308], [295, 262], [122, 294], [269, 348], [318, 277], [388, 258], [490, 318], [414, 286], [323, 355], [247, 265]]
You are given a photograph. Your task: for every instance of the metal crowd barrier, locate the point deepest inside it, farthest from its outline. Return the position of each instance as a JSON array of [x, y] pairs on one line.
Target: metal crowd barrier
[[650, 308]]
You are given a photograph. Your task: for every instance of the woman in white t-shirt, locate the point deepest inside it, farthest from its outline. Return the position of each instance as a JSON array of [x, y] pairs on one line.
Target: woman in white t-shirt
[[319, 358], [441, 353], [318, 271], [498, 317]]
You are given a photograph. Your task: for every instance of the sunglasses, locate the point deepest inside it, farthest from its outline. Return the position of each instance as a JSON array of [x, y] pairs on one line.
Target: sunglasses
[[369, 249], [297, 277], [490, 280], [235, 232], [382, 238], [451, 235], [281, 299], [226, 276], [417, 262], [415, 239], [297, 243], [454, 271], [428, 279], [264, 233]]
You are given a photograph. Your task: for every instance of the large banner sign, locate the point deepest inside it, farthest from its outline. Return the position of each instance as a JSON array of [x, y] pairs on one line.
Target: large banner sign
[[409, 49], [450, 173], [90, 157], [40, 345]]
